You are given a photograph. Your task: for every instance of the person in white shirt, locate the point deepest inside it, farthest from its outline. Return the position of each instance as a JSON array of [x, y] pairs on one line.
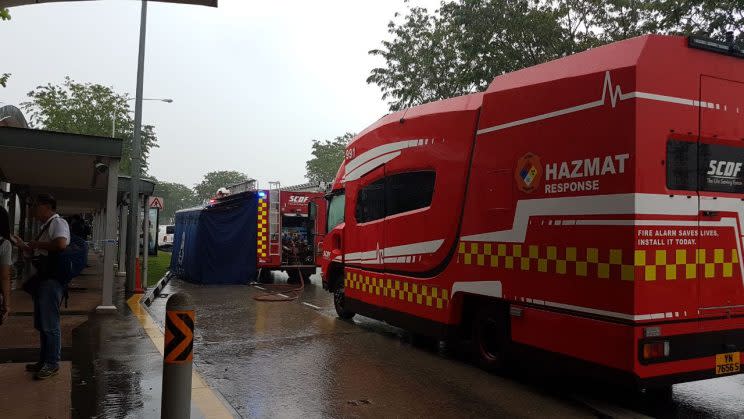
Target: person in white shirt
[[46, 290], [6, 251]]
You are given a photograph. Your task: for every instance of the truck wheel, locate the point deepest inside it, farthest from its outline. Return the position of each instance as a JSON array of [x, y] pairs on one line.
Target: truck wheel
[[294, 276], [489, 337], [338, 303], [265, 276], [306, 275]]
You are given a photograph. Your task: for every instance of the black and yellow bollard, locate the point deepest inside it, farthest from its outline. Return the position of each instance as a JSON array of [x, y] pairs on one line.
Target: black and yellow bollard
[[178, 356]]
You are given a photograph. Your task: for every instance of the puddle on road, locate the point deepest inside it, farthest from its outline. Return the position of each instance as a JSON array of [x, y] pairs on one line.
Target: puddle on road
[[720, 397]]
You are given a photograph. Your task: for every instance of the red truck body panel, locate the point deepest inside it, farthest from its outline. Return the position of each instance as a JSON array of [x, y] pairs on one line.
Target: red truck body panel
[[600, 193]]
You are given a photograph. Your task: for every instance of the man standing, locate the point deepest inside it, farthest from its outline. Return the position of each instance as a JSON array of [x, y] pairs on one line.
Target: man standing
[[46, 290]]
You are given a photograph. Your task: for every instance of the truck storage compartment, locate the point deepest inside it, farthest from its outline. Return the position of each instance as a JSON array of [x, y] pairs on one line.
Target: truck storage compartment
[[297, 243]]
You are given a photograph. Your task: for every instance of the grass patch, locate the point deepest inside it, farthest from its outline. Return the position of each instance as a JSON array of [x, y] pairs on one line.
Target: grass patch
[[157, 266]]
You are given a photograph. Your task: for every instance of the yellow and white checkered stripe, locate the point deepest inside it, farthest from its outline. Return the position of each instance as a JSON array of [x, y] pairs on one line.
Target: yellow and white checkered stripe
[[648, 265], [425, 295], [262, 232]]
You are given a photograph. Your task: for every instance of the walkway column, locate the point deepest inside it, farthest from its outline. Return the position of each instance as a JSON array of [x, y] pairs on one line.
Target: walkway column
[[123, 215], [107, 300]]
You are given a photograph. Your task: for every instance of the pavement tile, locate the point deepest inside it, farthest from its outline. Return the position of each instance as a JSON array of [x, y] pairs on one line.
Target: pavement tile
[[22, 397]]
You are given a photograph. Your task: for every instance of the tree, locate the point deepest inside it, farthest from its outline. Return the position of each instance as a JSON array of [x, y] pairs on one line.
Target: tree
[[176, 197], [214, 180], [91, 109], [4, 15], [464, 44], [327, 157]]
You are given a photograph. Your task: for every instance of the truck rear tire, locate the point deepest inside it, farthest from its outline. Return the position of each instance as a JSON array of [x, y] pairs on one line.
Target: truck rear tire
[[265, 276], [490, 337], [294, 276], [338, 304], [306, 272]]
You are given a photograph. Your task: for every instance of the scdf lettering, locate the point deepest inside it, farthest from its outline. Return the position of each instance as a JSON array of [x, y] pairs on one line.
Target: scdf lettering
[[724, 168]]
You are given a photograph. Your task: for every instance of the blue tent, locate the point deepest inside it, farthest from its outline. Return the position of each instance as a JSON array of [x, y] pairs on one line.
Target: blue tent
[[217, 244]]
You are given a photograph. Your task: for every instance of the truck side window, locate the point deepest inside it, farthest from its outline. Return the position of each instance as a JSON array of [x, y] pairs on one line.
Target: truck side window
[[370, 203], [409, 191], [336, 209], [682, 166], [705, 167]]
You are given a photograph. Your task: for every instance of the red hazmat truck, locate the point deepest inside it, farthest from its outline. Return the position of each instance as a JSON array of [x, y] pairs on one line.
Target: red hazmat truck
[[588, 210]]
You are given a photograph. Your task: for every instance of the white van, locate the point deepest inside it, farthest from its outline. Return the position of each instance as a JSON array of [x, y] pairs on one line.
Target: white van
[[165, 235]]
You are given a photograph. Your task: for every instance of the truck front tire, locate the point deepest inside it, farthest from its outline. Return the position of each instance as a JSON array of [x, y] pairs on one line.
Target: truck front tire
[[339, 304]]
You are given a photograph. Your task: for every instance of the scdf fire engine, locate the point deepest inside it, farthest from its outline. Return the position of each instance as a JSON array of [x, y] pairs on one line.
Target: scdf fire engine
[[589, 209], [287, 238]]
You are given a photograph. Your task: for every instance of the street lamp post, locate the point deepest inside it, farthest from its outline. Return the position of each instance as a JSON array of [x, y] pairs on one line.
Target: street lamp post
[[113, 114], [135, 156]]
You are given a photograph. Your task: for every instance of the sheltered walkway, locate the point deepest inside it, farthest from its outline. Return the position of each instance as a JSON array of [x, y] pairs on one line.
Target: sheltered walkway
[[81, 172]]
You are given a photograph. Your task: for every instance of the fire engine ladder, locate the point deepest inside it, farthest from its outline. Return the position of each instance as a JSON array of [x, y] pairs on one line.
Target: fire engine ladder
[[274, 218]]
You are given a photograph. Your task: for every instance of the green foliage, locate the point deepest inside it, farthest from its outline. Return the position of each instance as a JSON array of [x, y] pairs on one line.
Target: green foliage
[[91, 109], [463, 45], [214, 180], [327, 157], [176, 197]]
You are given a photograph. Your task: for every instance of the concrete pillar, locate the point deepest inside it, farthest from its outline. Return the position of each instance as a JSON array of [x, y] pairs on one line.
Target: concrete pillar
[[123, 216], [109, 227]]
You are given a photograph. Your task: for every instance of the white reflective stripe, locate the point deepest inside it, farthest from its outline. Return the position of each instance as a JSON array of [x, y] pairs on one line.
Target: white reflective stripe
[[494, 289], [414, 249], [489, 288], [379, 151], [605, 313], [618, 204], [393, 254], [369, 166], [615, 96]]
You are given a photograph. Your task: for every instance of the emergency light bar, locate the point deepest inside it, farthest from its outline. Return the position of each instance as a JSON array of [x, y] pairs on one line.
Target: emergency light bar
[[712, 45]]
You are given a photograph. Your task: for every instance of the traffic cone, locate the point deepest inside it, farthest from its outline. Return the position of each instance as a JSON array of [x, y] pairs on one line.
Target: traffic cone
[[138, 278]]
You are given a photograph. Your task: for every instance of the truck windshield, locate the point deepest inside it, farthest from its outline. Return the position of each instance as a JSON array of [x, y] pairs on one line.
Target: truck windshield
[[336, 210]]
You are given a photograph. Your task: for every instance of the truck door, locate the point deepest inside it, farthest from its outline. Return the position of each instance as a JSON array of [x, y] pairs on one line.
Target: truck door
[[721, 190], [317, 222], [366, 202]]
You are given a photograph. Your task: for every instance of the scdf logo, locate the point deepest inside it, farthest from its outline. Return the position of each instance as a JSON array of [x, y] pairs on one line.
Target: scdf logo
[[294, 199], [528, 173]]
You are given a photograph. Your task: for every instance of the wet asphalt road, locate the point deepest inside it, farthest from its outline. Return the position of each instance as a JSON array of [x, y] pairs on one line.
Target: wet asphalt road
[[296, 359]]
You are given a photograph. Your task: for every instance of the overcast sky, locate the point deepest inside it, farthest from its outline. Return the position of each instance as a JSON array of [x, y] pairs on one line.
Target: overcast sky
[[253, 82]]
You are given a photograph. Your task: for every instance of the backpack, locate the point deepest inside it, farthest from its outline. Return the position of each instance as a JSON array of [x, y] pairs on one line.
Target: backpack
[[62, 266], [71, 261]]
